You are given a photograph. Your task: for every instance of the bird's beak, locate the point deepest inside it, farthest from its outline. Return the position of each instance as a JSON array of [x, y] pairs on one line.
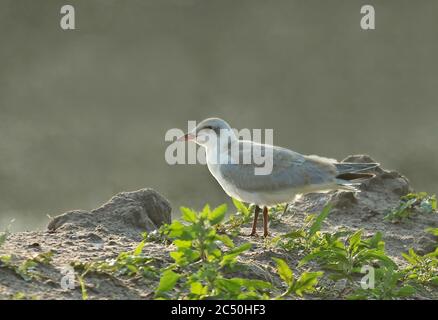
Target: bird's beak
[[186, 137]]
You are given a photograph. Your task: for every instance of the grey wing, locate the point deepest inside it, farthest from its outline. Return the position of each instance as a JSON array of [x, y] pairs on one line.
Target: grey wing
[[289, 170]]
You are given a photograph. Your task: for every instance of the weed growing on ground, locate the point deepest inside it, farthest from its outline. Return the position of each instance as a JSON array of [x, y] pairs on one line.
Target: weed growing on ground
[[306, 237], [235, 221], [204, 259], [421, 269], [346, 258], [388, 284], [131, 264], [306, 283], [410, 204], [27, 269]]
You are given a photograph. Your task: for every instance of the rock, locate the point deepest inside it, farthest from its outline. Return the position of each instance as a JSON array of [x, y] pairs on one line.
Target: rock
[[426, 244], [127, 213], [343, 200]]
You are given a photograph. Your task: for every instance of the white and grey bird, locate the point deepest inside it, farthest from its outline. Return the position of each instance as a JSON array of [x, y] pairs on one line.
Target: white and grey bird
[[292, 173]]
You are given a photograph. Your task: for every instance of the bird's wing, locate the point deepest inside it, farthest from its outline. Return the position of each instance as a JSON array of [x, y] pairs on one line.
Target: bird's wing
[[290, 170]]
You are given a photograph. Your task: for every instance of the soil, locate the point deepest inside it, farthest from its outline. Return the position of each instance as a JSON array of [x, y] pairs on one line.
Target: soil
[[117, 226]]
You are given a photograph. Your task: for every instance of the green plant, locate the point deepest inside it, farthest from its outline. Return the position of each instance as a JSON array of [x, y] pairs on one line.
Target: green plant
[[433, 231], [236, 221], [387, 285], [22, 296], [27, 269], [421, 269], [346, 258], [306, 283], [307, 237], [410, 204], [131, 264], [276, 214], [202, 261]]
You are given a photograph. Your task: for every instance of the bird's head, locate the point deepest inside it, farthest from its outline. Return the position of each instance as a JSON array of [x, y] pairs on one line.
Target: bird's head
[[210, 132]]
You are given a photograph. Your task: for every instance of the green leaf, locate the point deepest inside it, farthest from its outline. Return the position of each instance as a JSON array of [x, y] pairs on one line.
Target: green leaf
[[240, 207], [255, 284], [168, 281], [382, 257], [354, 240], [307, 282], [232, 285], [316, 226], [6, 259], [433, 203], [411, 257], [284, 271], [178, 256], [376, 241], [240, 249], [188, 215], [406, 291], [230, 256], [138, 250], [182, 243], [296, 234], [225, 240], [83, 288], [316, 255], [132, 268], [198, 289], [191, 255], [217, 215], [176, 229], [205, 212], [433, 231]]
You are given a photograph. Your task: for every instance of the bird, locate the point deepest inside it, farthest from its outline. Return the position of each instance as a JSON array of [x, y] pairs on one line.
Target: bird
[[291, 173]]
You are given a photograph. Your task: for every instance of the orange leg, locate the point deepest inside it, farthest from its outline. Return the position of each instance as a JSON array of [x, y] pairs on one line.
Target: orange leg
[[265, 222], [254, 223]]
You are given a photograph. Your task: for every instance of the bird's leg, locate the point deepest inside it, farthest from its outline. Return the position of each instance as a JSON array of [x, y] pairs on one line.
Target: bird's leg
[[265, 222], [254, 223]]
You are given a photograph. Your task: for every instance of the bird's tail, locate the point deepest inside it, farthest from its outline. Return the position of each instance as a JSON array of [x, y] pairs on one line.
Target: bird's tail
[[349, 167], [351, 175]]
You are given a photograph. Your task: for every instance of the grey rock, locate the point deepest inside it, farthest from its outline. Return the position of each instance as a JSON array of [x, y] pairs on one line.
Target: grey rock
[[343, 200], [127, 213]]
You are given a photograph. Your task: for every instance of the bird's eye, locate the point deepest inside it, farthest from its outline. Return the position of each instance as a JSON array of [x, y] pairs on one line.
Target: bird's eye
[[208, 127]]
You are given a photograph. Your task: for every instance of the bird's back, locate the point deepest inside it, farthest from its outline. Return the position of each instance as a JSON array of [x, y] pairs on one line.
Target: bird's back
[[290, 170]]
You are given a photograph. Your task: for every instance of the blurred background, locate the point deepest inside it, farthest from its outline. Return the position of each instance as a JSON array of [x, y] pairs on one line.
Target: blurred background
[[83, 113]]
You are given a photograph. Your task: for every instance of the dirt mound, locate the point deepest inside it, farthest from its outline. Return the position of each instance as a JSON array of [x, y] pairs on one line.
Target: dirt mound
[[127, 214], [82, 236]]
